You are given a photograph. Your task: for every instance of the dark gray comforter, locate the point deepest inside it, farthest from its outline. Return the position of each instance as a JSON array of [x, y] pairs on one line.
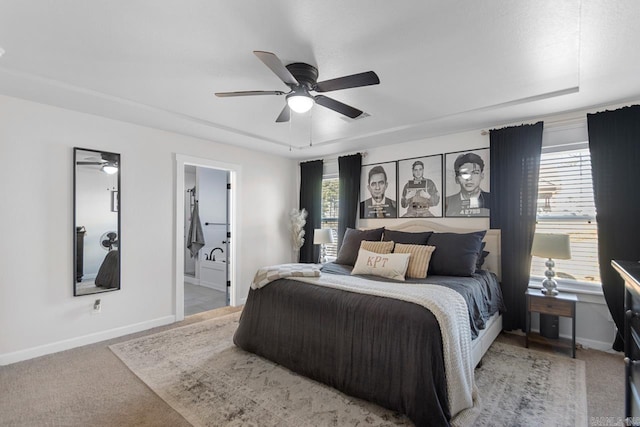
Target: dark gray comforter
[[383, 350]]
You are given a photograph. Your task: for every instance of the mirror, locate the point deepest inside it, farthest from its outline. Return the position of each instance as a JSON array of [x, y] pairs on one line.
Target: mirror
[[96, 214]]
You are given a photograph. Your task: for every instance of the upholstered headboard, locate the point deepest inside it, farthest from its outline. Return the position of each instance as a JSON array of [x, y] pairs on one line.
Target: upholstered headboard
[[492, 238]]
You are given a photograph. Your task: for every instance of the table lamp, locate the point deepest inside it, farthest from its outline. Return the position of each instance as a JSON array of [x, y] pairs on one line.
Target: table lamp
[[550, 246], [322, 236]]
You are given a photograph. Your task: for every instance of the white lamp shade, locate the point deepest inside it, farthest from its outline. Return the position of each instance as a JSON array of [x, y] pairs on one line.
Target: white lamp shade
[[322, 235], [555, 246], [300, 103]]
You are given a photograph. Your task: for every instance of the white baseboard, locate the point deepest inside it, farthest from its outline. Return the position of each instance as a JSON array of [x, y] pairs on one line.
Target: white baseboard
[[584, 342], [596, 345], [30, 353], [191, 280], [215, 286]]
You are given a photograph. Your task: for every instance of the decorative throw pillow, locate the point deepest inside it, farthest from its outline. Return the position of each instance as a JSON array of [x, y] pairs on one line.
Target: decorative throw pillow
[[419, 261], [377, 247], [351, 244], [456, 254], [392, 266], [407, 238]]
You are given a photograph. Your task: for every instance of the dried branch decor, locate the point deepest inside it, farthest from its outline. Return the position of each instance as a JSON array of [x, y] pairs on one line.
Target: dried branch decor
[[297, 220]]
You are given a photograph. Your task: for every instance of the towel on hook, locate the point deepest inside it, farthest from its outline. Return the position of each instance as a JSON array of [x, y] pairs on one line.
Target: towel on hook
[[195, 239]]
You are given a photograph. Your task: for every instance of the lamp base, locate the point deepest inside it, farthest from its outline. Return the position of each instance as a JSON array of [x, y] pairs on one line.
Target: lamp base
[[323, 254], [549, 285]]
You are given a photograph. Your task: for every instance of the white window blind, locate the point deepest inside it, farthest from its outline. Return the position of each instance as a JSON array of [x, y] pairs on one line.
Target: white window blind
[[566, 206], [330, 187]]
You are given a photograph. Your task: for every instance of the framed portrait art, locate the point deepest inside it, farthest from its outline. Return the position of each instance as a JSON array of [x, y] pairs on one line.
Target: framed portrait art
[[378, 197], [467, 183], [420, 187]]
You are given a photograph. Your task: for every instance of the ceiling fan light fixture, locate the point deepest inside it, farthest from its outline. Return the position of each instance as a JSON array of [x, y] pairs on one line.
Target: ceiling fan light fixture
[[109, 168], [300, 101]]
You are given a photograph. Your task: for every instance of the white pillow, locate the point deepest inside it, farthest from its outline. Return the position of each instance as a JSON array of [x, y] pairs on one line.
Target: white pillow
[[392, 266]]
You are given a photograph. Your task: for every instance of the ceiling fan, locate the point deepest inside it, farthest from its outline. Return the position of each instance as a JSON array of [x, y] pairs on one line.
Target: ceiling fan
[[302, 79], [108, 162]]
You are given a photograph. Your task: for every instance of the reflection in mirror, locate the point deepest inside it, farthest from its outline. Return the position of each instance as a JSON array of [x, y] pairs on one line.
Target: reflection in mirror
[[96, 197]]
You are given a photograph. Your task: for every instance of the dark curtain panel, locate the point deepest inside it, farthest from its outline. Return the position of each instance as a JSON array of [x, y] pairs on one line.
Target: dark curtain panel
[[349, 192], [614, 143], [515, 167], [311, 200]]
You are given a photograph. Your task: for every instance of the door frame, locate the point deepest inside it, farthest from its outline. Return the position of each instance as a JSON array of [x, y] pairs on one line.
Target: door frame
[[235, 172]]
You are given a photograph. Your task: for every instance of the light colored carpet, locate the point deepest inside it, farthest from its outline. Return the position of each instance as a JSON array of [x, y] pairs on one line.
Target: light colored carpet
[[199, 372]]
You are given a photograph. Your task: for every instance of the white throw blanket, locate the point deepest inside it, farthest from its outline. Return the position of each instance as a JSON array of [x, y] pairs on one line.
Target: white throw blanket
[[266, 275], [449, 308]]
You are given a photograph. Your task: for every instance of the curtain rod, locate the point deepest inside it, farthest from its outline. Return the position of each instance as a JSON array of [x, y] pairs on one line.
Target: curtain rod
[[553, 123], [335, 159]]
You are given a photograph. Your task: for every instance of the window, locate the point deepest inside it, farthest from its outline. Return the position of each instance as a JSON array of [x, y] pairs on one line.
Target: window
[[566, 205], [330, 212]]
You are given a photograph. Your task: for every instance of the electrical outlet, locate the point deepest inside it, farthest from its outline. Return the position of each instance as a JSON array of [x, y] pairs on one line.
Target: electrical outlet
[[97, 307]]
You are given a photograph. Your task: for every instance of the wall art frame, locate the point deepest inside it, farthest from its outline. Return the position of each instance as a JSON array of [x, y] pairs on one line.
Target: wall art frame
[[378, 190], [420, 191], [467, 178]]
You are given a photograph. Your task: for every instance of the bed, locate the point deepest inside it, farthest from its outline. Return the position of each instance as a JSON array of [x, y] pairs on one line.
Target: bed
[[356, 334], [109, 273]]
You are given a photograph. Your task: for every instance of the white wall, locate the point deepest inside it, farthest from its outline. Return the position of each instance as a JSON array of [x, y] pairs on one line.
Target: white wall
[[38, 313]]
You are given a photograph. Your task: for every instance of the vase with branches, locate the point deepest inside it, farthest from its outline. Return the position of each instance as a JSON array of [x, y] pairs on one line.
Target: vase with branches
[[297, 221]]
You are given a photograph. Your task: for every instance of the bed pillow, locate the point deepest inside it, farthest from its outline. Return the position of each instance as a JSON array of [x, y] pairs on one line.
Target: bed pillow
[[348, 252], [407, 238], [456, 253], [419, 260], [377, 247], [481, 256], [392, 266]]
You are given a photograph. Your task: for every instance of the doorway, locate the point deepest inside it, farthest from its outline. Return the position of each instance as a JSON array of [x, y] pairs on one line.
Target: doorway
[[206, 232], [205, 268]]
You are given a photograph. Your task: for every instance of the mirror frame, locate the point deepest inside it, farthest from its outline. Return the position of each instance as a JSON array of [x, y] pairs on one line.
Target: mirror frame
[[75, 234]]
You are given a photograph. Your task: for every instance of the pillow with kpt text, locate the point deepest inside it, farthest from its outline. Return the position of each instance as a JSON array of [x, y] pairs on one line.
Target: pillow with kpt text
[[377, 247], [392, 266], [419, 261]]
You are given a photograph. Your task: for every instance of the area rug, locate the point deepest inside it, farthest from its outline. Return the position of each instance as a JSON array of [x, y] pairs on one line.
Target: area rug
[[198, 371]]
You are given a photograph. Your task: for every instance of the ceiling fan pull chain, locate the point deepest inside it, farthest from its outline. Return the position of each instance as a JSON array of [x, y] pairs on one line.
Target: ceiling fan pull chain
[[290, 134], [311, 128]]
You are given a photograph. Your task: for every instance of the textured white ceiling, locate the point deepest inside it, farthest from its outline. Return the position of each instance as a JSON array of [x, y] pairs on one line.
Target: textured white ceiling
[[444, 66]]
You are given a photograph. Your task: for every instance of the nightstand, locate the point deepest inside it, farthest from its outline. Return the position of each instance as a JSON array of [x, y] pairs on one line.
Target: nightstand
[[563, 304]]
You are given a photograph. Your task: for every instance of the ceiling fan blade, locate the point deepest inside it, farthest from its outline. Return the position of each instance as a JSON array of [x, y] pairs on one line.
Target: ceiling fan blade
[[338, 106], [367, 78], [89, 163], [249, 93], [285, 115], [273, 62]]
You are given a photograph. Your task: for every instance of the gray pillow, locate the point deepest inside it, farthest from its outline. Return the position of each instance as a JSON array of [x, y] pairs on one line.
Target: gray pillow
[[348, 252], [456, 254], [481, 256], [407, 238]]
